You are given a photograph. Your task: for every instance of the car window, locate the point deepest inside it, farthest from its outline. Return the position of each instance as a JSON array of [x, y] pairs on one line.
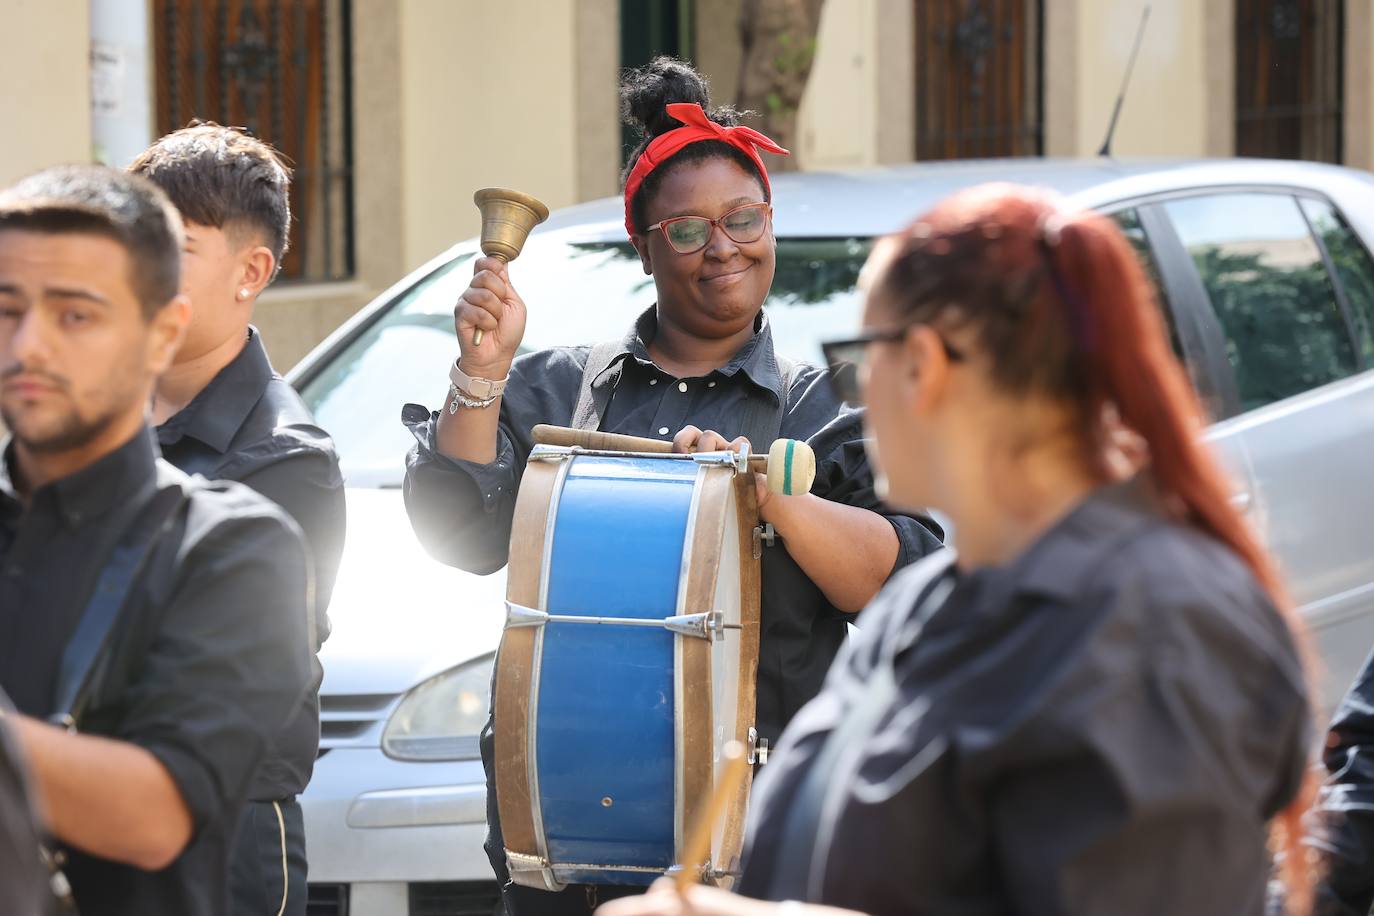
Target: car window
[[577, 292], [1354, 269], [357, 395], [1264, 274], [1128, 221]]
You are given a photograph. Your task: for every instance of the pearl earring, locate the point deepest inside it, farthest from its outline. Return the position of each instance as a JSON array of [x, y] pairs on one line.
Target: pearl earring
[[243, 293]]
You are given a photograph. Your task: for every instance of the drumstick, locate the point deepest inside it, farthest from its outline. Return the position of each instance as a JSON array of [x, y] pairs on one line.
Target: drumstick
[[597, 440], [699, 841], [789, 464]]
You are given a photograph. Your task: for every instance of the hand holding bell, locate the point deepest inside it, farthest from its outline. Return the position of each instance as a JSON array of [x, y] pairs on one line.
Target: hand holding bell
[[507, 218]]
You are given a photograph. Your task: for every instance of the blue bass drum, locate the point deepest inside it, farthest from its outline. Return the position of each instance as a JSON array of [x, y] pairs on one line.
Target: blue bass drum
[[627, 664]]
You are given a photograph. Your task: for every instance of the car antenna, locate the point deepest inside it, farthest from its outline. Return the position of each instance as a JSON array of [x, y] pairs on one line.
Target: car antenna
[[1126, 81]]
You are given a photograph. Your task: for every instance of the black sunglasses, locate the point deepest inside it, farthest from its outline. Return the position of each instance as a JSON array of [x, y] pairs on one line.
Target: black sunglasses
[[845, 358]]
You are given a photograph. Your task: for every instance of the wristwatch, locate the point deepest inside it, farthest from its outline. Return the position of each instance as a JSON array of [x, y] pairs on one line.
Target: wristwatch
[[473, 393]]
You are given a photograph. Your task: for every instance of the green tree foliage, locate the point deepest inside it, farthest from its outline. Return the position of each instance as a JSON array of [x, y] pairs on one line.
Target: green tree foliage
[[1285, 333]]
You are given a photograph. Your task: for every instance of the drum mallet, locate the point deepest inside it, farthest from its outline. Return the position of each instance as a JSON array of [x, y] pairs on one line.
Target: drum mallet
[[699, 841], [790, 463]]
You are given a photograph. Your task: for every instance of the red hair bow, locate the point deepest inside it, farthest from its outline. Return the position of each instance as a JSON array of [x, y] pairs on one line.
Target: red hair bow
[[695, 128]]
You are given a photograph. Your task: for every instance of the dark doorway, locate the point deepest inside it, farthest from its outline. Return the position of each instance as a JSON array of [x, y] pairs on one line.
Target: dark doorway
[[649, 28], [1289, 78], [280, 69]]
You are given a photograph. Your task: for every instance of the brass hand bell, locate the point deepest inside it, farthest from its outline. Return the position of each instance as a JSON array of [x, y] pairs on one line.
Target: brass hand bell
[[507, 218]]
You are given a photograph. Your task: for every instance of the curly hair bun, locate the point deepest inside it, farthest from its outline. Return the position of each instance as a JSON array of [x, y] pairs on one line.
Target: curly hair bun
[[646, 93]]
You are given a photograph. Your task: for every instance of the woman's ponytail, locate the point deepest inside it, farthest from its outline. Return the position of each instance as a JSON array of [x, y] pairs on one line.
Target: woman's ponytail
[[1127, 360]]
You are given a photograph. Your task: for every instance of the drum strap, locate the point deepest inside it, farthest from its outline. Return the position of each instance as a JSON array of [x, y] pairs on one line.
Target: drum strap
[[91, 642], [591, 402], [799, 866], [760, 421]]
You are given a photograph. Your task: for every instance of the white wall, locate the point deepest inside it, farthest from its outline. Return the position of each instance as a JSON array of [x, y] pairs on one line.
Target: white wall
[[1169, 103], [837, 117], [45, 105], [486, 100]]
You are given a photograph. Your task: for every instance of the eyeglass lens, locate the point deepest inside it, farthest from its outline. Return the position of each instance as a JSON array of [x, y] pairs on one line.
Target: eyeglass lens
[[690, 233]]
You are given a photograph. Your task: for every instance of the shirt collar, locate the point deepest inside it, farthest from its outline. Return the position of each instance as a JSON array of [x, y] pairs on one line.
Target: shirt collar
[[1059, 564], [95, 489], [216, 414], [1076, 547], [756, 359]]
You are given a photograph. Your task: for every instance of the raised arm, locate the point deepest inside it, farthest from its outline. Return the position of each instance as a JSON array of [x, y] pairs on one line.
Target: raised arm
[[490, 303], [461, 477]]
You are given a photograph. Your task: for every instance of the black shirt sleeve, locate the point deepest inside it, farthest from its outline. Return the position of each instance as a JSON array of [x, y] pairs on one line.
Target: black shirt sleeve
[[1343, 821], [230, 662], [462, 511], [306, 484]]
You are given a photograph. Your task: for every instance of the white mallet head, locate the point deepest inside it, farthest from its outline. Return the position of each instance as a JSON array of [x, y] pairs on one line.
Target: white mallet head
[[791, 467]]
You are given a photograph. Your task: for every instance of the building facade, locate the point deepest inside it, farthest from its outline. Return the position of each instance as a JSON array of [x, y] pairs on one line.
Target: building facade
[[394, 111]]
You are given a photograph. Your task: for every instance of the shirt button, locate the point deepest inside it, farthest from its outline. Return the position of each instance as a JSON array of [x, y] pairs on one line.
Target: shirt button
[[682, 386], [663, 430], [653, 381]]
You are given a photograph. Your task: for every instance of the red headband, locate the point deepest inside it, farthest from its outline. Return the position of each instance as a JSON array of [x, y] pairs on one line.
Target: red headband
[[696, 127]]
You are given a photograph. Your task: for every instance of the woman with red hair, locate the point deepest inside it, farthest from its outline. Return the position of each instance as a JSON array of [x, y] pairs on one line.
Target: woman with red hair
[[1097, 703]]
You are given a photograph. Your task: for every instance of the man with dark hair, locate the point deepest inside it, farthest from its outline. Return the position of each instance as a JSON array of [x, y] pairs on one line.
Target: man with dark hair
[[224, 414], [162, 620]]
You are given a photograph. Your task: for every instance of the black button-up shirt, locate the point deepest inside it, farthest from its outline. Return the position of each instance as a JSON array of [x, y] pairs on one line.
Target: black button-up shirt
[[249, 425], [211, 655], [462, 511], [1104, 725]]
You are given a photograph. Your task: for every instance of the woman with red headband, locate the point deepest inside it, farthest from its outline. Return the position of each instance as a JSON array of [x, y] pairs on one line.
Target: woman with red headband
[[699, 368], [1096, 704]]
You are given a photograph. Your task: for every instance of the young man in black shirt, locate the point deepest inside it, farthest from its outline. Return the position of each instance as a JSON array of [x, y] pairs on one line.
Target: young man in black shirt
[[222, 412], [209, 652]]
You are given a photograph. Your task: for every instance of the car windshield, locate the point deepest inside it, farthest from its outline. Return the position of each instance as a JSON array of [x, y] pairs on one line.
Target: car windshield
[[577, 292]]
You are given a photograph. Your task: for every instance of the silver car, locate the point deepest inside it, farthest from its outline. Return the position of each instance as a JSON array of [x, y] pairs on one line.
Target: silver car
[[1267, 282]]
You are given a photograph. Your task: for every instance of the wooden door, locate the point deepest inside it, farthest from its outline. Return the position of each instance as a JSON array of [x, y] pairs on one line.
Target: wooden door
[[280, 69], [1289, 86], [978, 78]]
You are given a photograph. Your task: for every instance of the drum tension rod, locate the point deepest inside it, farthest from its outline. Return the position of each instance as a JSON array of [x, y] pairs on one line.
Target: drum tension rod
[[705, 625]]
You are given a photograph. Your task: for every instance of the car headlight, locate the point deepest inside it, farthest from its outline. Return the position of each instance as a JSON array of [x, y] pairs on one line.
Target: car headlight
[[442, 718]]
